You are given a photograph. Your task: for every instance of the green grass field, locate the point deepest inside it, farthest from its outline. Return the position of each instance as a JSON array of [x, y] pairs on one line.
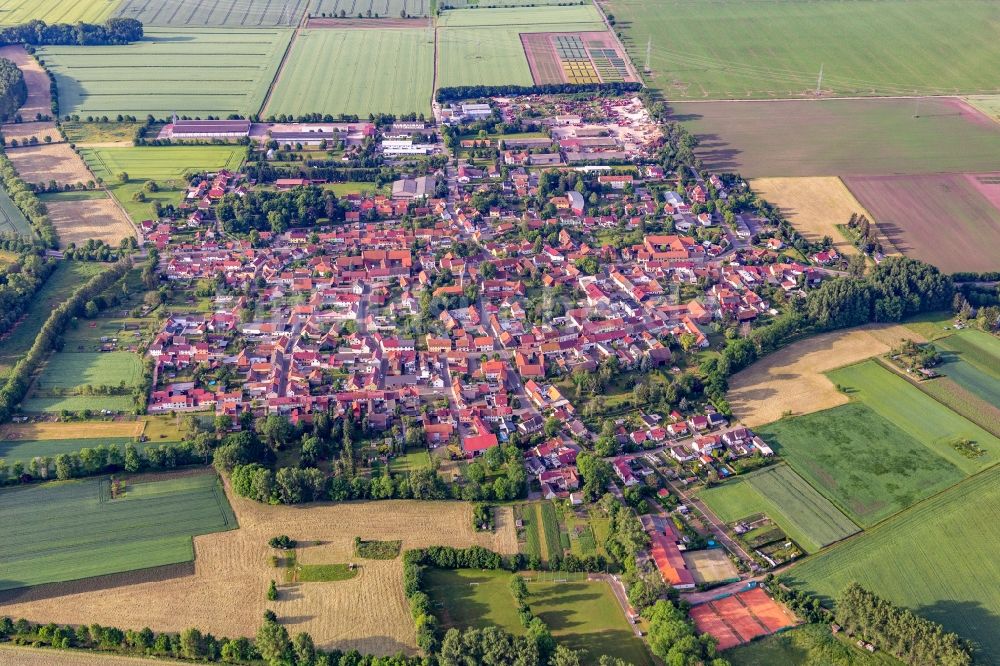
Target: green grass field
[[370, 71], [977, 348], [483, 47], [801, 512], [808, 645], [188, 72], [920, 416], [69, 530], [775, 48], [72, 370], [324, 573], [194, 13], [167, 165], [937, 558], [410, 461], [530, 522], [24, 450], [863, 463], [12, 221], [582, 615], [56, 11], [834, 137], [63, 282]]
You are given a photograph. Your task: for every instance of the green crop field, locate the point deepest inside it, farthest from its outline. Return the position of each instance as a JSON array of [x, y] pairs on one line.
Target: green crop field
[[495, 4], [550, 528], [804, 515], [63, 282], [920, 416], [977, 348], [988, 104], [69, 530], [775, 48], [169, 166], [483, 46], [188, 72], [864, 464], [937, 558], [582, 615], [24, 450], [382, 8], [72, 370], [834, 137], [56, 11], [194, 13], [367, 71], [12, 221], [970, 375]]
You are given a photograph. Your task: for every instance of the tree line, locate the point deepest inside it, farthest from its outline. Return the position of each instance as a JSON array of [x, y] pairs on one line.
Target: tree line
[[114, 32], [476, 92], [19, 284], [16, 386], [13, 91]]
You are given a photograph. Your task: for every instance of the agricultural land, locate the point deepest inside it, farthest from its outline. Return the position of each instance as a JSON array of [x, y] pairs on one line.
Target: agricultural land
[[78, 220], [988, 104], [370, 8], [949, 220], [165, 73], [68, 378], [387, 70], [56, 11], [12, 220], [227, 13], [45, 163]]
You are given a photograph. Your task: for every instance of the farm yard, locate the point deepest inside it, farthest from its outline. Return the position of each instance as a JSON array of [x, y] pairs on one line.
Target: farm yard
[[49, 162], [368, 612], [933, 558], [371, 71], [165, 73], [582, 614], [714, 50], [788, 500], [834, 137], [230, 13], [56, 11], [370, 8], [791, 381], [168, 166], [77, 221], [949, 220], [72, 530], [814, 206]]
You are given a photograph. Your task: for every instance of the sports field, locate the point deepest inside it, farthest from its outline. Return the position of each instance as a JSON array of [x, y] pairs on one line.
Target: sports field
[[920, 416], [483, 46], [368, 71], [775, 48], [951, 220], [24, 450], [63, 282], [168, 166], [804, 515], [938, 559], [835, 137], [194, 13], [864, 464], [583, 615], [194, 72], [56, 11], [71, 530], [12, 221], [378, 8]]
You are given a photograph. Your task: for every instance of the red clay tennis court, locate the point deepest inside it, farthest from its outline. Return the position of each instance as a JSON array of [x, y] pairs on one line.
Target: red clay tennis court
[[740, 618]]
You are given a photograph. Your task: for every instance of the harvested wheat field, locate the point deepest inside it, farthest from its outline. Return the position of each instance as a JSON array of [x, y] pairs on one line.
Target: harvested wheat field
[[37, 81], [79, 221], [48, 162], [28, 656], [792, 379], [226, 594], [814, 205], [64, 430], [23, 132]]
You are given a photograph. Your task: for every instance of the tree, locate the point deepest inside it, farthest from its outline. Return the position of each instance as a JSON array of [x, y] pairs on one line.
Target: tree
[[192, 644], [552, 426], [273, 643], [272, 591], [133, 463], [518, 588], [563, 656], [305, 649]]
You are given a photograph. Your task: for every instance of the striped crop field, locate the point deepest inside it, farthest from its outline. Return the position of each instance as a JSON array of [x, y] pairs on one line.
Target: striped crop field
[[195, 13], [187, 72], [938, 559], [73, 529], [12, 221], [976, 347], [56, 11], [370, 8]]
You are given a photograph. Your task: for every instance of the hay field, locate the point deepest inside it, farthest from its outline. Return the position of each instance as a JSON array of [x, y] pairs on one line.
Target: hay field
[[79, 221], [938, 559], [193, 72], [56, 11], [814, 206], [792, 379], [71, 430], [717, 49], [371, 71], [949, 220], [48, 162], [368, 612], [196, 13], [836, 136]]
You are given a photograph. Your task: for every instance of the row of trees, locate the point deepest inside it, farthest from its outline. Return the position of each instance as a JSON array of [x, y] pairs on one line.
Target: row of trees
[[115, 31], [27, 202], [476, 92], [19, 282], [17, 382], [13, 91]]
